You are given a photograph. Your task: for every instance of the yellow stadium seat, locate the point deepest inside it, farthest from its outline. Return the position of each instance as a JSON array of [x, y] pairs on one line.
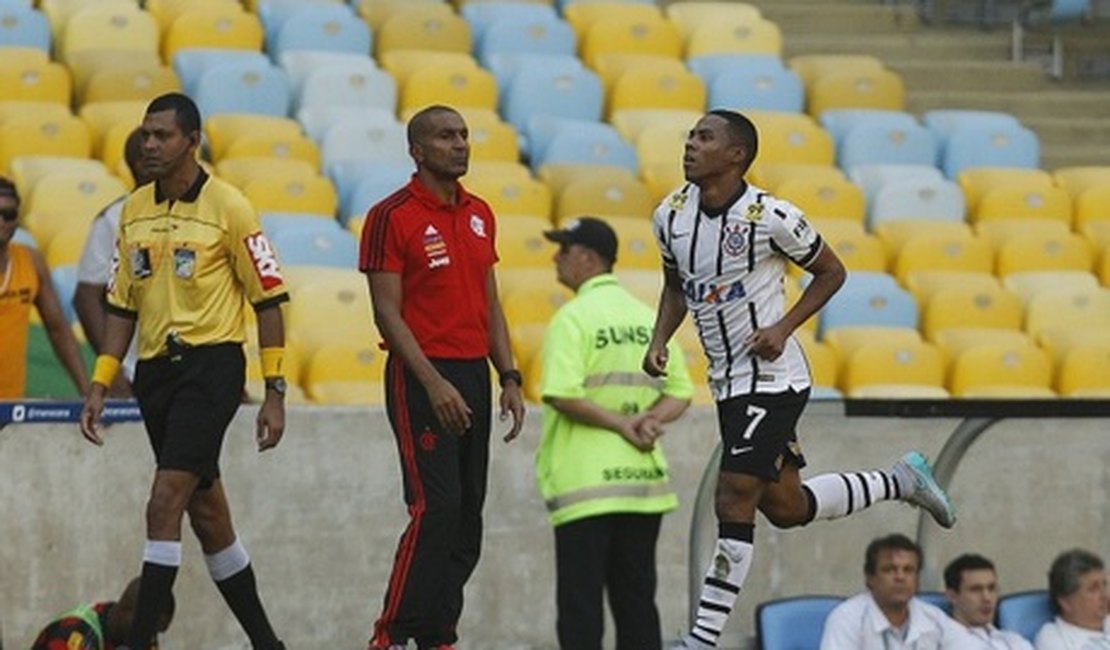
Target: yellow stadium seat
[[92, 62], [1076, 180], [793, 290], [1104, 266], [298, 147], [1058, 342], [111, 149], [346, 374], [558, 177], [611, 66], [824, 198], [632, 122], [967, 307], [604, 198], [491, 138], [527, 343], [1001, 371], [459, 87], [735, 36], [997, 232], [659, 89], [899, 369], [1027, 284], [130, 83], [376, 12], [1093, 204], [612, 34], [771, 175], [421, 27], [66, 245], [1034, 253], [659, 149], [37, 82], [17, 56], [811, 67], [662, 178], [880, 89], [857, 249], [824, 362], [584, 15], [27, 171], [975, 182], [224, 26], [402, 63], [689, 16], [497, 169], [101, 117], [511, 196], [952, 341], [222, 130], [531, 295], [111, 26], [1067, 308], [846, 340], [896, 233], [1015, 202], [943, 253], [167, 11], [241, 171], [314, 195], [520, 243], [1084, 372], [636, 247], [15, 109], [923, 284], [1097, 232], [792, 138], [327, 305], [30, 135], [63, 201], [58, 12]]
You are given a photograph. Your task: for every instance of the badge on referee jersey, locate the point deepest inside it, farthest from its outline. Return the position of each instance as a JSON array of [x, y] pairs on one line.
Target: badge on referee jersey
[[140, 263], [184, 263]]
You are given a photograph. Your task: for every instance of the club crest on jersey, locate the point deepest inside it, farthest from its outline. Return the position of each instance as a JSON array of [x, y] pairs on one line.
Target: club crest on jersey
[[184, 263], [754, 212], [435, 248], [264, 259], [736, 239], [478, 225], [676, 201]]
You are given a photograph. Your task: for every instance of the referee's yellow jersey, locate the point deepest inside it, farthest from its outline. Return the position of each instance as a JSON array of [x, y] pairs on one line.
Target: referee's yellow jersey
[[188, 266]]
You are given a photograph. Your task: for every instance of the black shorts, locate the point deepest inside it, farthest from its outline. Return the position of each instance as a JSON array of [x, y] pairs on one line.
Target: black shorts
[[188, 404], [759, 432]]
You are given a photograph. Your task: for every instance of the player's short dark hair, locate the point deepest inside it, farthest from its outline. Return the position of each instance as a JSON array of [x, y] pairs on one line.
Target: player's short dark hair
[[1066, 570], [741, 129], [8, 189], [954, 572], [893, 542], [418, 127], [185, 111]]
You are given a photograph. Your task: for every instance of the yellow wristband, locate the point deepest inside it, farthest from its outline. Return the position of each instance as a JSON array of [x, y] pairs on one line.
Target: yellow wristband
[[273, 362], [104, 372]]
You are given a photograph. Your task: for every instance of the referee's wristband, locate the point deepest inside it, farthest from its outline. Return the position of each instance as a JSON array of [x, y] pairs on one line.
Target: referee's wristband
[[104, 372], [273, 362], [511, 375]]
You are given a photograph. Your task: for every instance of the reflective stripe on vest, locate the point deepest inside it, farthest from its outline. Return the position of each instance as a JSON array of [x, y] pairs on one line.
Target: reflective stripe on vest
[[639, 491]]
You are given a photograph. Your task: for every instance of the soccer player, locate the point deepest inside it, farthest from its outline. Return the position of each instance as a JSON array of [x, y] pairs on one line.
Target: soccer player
[[725, 247]]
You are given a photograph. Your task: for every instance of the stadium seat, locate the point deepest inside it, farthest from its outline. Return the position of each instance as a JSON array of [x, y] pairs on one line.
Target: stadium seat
[[822, 358], [127, 84], [420, 27], [317, 119], [244, 88], [1015, 202], [27, 171], [275, 13], [1027, 284], [1078, 179], [970, 307], [376, 12], [109, 147], [791, 138], [1058, 342], [490, 138], [919, 199], [373, 136], [838, 122], [167, 11], [323, 247], [67, 201], [1067, 307], [878, 89], [335, 86], [710, 66], [112, 26], [224, 28], [978, 181], [614, 34], [256, 384], [1024, 612], [66, 245], [735, 36], [274, 223], [953, 341], [894, 369], [313, 194], [793, 623], [874, 143], [327, 305], [462, 87], [857, 249], [223, 130], [872, 178], [631, 122], [346, 374], [588, 143], [636, 247], [24, 27], [689, 16], [869, 299], [811, 67], [241, 171], [897, 232], [45, 135], [997, 370], [844, 341], [604, 198], [584, 15], [299, 64], [504, 67], [974, 146], [1097, 232], [756, 88], [924, 284], [298, 147], [402, 63], [1093, 204], [1030, 252], [943, 253], [36, 82], [647, 88], [362, 183], [824, 198], [520, 243], [771, 176], [531, 295], [1083, 373], [18, 55], [191, 64], [558, 177], [536, 35], [481, 16], [612, 65], [538, 91], [945, 121], [511, 196], [997, 232], [321, 27]]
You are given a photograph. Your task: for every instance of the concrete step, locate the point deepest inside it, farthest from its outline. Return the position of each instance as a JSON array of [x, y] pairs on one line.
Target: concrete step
[[1026, 105], [1054, 157], [821, 18], [980, 76], [1071, 132], [922, 45]]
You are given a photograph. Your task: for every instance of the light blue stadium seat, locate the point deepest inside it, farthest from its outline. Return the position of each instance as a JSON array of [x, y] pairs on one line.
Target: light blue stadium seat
[[838, 122], [569, 92], [318, 118], [24, 237], [973, 145], [1025, 612], [757, 89], [917, 198], [871, 178], [378, 182], [562, 4], [190, 64], [592, 143], [793, 623], [348, 175], [277, 222], [273, 13], [481, 15], [937, 599], [244, 87], [881, 143], [371, 136], [316, 247], [22, 26], [325, 27], [709, 66], [945, 120], [525, 36], [361, 87], [869, 299], [505, 65], [64, 279], [299, 64]]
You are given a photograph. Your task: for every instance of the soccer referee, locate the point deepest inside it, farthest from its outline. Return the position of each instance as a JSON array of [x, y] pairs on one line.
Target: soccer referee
[[190, 252]]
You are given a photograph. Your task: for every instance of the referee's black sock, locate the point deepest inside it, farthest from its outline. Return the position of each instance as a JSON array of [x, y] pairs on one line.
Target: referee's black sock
[[232, 572], [160, 562]]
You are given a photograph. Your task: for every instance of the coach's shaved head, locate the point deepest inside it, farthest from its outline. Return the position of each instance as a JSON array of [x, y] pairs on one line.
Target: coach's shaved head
[[422, 124]]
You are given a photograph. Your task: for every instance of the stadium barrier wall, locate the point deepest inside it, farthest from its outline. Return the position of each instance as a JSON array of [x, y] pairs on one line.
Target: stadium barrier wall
[[321, 515]]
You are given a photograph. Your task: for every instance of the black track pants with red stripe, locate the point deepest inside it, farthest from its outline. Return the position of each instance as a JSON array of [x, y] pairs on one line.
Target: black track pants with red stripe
[[445, 486]]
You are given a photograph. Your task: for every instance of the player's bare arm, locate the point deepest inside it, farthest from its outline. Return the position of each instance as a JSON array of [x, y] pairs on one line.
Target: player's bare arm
[[117, 335], [672, 309]]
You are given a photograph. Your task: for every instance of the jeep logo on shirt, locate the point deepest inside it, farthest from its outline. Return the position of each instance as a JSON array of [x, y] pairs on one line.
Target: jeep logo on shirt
[[264, 259]]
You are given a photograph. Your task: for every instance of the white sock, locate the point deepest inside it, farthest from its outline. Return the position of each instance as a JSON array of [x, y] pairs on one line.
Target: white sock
[[228, 562], [839, 495], [723, 582], [162, 552]]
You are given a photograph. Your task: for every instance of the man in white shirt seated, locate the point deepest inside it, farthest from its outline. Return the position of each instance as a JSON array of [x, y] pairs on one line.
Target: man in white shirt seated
[[888, 616], [1077, 587], [971, 585]]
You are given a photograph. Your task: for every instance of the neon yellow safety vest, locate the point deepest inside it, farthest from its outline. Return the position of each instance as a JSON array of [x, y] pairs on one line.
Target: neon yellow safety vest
[[593, 349]]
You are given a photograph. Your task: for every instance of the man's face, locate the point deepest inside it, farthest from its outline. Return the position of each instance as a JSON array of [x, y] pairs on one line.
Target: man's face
[[1090, 604], [710, 150], [894, 582], [974, 603], [568, 265], [165, 146], [444, 149], [9, 215]]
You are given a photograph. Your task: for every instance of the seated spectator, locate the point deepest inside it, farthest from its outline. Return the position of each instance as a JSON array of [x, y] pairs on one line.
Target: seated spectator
[[1077, 588], [888, 616], [971, 585], [98, 626]]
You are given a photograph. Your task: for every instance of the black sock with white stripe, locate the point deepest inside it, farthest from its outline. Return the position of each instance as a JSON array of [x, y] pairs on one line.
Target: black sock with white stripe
[[832, 496], [723, 582]]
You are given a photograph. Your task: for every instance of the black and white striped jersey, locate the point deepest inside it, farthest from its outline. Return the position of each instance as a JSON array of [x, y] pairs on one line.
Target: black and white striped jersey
[[732, 266]]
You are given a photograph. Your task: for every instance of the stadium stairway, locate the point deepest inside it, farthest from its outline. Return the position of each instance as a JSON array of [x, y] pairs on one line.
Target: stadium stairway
[[1070, 116]]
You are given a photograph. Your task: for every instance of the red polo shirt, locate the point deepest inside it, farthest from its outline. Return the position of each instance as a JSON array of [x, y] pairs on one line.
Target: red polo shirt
[[444, 254]]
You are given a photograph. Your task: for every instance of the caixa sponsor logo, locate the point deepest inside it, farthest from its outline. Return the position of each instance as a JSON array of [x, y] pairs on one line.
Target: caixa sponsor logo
[[712, 293]]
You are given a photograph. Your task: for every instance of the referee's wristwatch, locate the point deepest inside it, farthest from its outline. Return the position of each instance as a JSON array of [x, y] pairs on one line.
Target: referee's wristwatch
[[276, 384]]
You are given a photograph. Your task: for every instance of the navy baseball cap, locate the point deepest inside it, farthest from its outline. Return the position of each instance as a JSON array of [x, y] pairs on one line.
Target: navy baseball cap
[[590, 232]]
